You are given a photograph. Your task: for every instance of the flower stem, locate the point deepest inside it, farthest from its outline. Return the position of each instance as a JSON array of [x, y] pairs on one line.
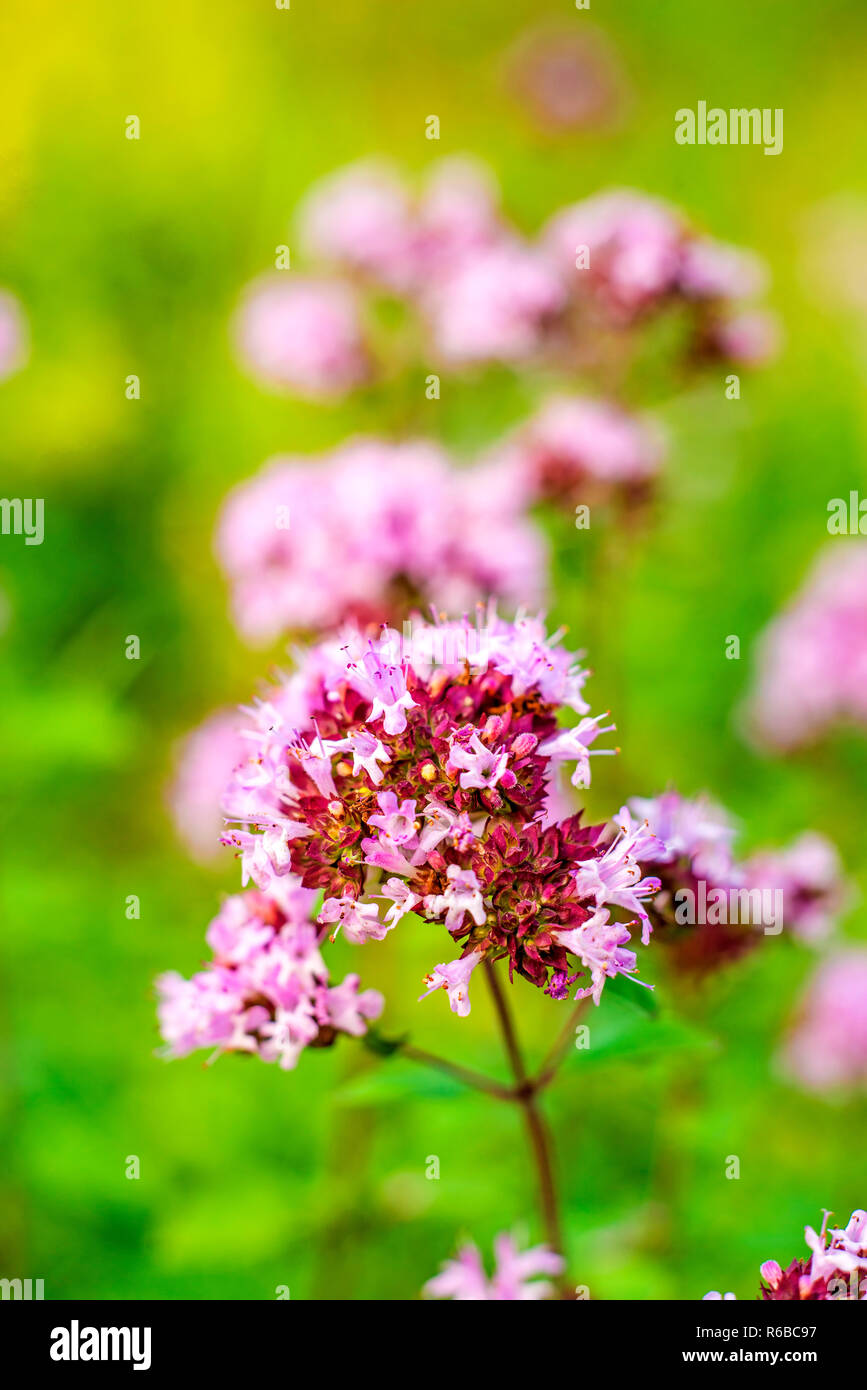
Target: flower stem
[[561, 1046], [400, 1047], [537, 1130], [475, 1079], [510, 1037]]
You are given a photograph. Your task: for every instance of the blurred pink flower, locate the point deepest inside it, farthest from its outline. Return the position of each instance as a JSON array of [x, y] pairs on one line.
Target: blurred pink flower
[[812, 659], [695, 833], [575, 446], [409, 529], [458, 214], [365, 221], [302, 334], [635, 248], [800, 888], [566, 81], [751, 338], [204, 765], [360, 219], [826, 1051], [714, 270], [627, 255], [495, 305], [483, 293], [514, 1279], [809, 875]]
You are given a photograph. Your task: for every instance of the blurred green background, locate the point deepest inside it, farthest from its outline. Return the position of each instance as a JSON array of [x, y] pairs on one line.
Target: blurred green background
[[128, 257]]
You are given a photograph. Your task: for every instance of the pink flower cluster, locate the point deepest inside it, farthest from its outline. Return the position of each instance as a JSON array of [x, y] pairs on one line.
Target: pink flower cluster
[[267, 989], [630, 256], [809, 875], [302, 333], [836, 1269], [577, 449], [697, 869], [826, 1050], [371, 532], [418, 781], [484, 293], [514, 1279], [479, 290], [812, 659]]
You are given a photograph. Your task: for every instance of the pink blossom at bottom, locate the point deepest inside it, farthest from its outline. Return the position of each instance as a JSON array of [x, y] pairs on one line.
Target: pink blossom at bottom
[[514, 1279]]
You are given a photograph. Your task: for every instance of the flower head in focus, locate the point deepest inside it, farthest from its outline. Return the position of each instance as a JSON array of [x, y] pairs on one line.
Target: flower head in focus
[[836, 1269], [418, 780]]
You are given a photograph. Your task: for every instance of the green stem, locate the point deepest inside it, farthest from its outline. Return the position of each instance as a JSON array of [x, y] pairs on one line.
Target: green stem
[[474, 1079], [537, 1129], [551, 1063]]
